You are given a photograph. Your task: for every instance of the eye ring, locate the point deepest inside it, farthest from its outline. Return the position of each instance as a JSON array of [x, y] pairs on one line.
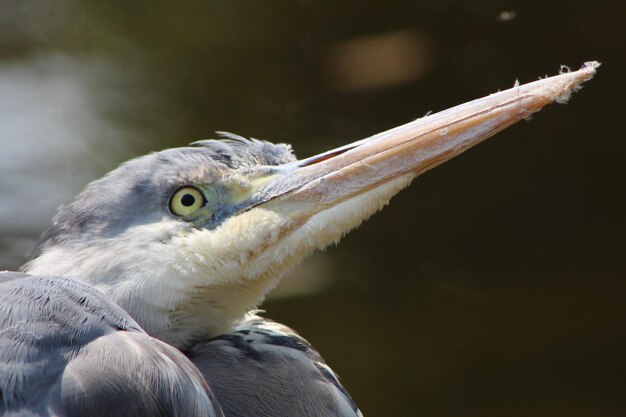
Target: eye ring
[[186, 201]]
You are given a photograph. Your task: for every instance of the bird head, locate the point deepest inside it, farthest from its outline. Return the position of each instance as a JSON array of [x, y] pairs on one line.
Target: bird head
[[188, 240]]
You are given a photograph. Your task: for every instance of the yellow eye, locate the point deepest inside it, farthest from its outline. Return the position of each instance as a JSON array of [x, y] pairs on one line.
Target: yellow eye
[[186, 200]]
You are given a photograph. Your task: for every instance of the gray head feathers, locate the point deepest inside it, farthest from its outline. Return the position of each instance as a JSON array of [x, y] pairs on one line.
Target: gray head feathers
[[236, 151], [137, 192]]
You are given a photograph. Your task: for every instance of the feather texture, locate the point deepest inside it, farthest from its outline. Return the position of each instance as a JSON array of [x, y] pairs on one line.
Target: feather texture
[[67, 351]]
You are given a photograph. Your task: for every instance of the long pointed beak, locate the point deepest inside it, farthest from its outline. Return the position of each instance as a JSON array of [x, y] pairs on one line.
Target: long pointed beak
[[409, 150]]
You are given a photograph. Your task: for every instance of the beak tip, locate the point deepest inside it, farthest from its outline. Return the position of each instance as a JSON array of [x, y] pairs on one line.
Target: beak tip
[[560, 88]]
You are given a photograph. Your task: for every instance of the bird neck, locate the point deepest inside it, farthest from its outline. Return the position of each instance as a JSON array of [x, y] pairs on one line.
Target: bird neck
[[181, 299], [199, 283]]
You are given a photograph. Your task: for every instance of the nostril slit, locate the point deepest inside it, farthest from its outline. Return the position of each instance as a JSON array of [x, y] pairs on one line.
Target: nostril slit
[[325, 156]]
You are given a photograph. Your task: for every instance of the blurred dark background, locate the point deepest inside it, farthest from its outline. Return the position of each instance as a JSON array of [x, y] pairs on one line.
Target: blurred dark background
[[493, 286]]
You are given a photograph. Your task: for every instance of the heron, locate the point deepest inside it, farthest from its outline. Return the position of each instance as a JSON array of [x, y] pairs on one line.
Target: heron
[[141, 298]]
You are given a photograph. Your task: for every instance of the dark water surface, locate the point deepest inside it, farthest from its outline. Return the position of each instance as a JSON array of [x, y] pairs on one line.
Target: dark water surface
[[494, 286]]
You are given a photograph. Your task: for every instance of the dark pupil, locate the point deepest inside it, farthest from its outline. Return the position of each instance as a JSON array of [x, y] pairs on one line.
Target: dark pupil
[[188, 200]]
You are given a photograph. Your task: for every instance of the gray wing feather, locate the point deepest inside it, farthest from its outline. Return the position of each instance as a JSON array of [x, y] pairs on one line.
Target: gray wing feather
[[265, 369], [67, 351]]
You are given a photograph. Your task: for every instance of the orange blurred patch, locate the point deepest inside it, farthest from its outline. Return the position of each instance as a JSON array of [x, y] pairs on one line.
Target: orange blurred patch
[[379, 61]]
